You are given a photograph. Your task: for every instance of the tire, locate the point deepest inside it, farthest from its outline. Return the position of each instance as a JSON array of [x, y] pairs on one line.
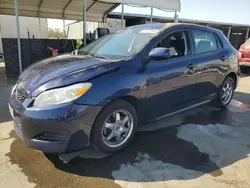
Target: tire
[[220, 101], [244, 69], [100, 133]]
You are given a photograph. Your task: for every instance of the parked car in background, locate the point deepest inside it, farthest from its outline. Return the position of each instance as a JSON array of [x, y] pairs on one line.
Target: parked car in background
[[244, 57], [101, 93]]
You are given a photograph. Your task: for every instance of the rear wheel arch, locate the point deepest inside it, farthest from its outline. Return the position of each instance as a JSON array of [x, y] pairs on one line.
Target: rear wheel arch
[[225, 92], [234, 77]]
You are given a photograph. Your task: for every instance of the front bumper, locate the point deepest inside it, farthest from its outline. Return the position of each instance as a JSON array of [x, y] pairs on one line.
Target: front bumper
[[57, 129]]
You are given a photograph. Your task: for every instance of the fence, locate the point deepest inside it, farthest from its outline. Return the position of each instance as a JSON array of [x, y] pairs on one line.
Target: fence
[[32, 50]]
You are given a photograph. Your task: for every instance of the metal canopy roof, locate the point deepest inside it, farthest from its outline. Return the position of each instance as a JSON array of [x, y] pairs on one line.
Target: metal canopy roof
[[59, 9], [73, 9], [174, 5]]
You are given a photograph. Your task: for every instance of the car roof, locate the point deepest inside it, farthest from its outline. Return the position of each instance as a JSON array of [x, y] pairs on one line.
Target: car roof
[[169, 25]]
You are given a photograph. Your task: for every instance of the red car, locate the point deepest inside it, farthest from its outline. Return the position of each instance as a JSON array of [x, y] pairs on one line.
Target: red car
[[244, 56]]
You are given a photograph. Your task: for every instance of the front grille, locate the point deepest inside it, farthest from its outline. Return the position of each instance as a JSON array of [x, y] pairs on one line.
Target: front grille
[[20, 96]]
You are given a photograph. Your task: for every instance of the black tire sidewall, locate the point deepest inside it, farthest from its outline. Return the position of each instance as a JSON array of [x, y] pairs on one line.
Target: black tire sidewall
[[96, 133]]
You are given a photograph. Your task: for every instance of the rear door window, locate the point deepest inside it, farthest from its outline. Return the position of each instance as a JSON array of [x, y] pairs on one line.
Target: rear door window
[[204, 41]]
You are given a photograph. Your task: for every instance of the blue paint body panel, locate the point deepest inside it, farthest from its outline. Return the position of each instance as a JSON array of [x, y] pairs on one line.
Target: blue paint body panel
[[159, 87]]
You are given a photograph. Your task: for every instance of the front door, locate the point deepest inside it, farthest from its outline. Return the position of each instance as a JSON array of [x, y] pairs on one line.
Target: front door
[[171, 81]]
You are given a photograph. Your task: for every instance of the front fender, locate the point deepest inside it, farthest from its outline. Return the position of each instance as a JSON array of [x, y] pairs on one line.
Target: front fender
[[114, 86]]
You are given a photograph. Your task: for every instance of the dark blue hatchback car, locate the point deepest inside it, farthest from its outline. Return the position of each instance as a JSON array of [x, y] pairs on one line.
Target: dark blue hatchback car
[[99, 94]]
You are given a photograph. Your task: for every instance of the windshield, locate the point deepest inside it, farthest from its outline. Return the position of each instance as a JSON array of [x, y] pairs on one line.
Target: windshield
[[121, 44]]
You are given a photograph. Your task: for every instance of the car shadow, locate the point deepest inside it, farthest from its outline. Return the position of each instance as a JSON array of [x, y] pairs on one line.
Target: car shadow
[[159, 153], [162, 145]]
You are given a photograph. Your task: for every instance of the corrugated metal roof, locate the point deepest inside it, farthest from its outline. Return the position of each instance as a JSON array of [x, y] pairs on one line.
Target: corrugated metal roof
[[174, 5], [60, 9], [73, 9]]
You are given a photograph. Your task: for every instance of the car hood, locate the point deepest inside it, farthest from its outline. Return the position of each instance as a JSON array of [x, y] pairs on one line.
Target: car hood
[[61, 70]]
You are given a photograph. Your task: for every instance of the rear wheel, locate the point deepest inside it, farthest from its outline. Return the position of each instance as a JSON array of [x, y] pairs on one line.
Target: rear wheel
[[114, 127], [225, 93]]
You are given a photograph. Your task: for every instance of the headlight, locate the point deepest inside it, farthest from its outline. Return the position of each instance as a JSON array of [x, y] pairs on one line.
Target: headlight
[[61, 95]]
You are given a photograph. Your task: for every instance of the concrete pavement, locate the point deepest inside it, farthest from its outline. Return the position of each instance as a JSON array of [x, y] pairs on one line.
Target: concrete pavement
[[204, 147]]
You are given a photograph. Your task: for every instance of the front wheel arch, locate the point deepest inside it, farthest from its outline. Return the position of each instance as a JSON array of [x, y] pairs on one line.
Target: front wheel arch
[[96, 125]]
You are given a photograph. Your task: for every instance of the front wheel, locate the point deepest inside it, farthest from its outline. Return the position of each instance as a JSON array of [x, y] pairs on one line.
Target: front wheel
[[114, 127], [225, 93]]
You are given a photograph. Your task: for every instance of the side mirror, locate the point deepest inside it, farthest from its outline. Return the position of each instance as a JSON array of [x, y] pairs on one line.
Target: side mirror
[[159, 54]]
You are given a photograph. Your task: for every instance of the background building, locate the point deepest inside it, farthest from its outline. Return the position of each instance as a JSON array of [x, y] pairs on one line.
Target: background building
[[236, 33], [27, 24], [38, 28], [76, 29]]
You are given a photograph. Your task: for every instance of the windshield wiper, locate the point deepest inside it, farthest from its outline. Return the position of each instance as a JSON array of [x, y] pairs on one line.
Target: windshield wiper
[[80, 52], [98, 56], [75, 52]]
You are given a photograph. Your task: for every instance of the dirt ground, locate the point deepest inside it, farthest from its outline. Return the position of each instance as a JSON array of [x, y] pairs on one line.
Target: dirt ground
[[204, 147]]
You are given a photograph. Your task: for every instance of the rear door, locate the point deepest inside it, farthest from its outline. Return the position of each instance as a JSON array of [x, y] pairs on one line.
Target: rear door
[[209, 60]]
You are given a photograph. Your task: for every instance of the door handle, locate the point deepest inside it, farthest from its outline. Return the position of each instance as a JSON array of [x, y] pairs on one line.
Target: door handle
[[191, 66]]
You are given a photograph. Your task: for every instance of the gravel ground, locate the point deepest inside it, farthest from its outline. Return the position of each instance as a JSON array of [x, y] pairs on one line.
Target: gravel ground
[[204, 147]]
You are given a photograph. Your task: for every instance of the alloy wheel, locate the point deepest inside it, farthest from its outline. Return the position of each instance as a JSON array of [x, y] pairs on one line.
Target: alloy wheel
[[227, 92], [117, 128]]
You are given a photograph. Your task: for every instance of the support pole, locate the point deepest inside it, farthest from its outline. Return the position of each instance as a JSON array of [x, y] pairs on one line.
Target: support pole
[[18, 37], [175, 17], [40, 32], [229, 32], [84, 22], [151, 15], [64, 28], [1, 44], [237, 41], [122, 19], [247, 34]]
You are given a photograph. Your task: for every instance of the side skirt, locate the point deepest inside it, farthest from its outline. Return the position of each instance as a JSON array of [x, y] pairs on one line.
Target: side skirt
[[183, 109]]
